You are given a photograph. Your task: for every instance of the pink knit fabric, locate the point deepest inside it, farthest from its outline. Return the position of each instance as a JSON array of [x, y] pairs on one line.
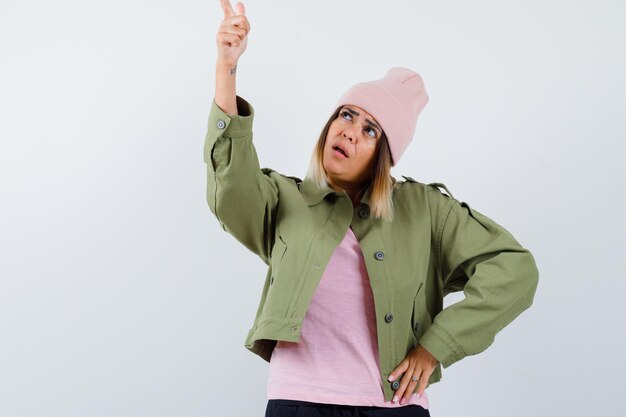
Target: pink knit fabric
[[336, 361]]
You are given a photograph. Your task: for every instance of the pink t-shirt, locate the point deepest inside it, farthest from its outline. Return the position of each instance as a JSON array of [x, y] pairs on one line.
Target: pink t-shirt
[[336, 360]]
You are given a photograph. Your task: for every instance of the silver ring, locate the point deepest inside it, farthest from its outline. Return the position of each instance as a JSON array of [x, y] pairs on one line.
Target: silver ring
[[414, 379]]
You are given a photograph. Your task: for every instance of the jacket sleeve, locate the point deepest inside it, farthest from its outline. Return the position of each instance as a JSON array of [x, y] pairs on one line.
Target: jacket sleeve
[[239, 194], [497, 275]]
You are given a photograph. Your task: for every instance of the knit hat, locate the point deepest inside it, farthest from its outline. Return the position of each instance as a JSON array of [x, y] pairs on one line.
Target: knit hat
[[395, 101]]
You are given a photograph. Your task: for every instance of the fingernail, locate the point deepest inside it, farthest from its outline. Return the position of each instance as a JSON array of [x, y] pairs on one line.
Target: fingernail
[[395, 400], [390, 378], [402, 401]]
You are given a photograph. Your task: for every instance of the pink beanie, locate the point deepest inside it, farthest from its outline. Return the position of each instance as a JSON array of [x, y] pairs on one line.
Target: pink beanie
[[394, 101]]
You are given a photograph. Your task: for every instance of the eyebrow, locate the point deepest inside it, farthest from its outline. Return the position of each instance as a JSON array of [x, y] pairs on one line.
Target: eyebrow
[[369, 122]]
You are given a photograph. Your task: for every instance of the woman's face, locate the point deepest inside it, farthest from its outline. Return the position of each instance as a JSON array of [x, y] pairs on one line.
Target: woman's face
[[357, 133]]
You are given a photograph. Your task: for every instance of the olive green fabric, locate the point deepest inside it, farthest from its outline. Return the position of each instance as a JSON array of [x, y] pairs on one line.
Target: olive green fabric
[[435, 245]]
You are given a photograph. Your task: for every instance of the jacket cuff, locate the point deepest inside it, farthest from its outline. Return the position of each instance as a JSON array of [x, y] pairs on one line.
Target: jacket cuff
[[231, 125], [441, 345]]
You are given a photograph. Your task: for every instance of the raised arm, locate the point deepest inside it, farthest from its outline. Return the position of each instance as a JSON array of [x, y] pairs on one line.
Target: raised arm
[[241, 196], [232, 40]]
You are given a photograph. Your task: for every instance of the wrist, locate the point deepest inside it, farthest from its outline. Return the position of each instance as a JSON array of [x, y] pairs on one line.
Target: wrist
[[225, 67]]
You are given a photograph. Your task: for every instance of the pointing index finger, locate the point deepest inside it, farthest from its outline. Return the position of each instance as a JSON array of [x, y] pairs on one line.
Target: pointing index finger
[[228, 9]]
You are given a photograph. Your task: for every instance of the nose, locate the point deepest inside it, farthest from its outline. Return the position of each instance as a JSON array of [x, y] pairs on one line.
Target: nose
[[349, 133]]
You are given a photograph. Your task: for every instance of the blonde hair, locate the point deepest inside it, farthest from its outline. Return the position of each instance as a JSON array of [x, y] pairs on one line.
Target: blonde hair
[[381, 181]]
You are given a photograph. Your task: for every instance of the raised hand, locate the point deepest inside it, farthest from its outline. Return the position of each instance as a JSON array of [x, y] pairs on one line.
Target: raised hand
[[232, 36]]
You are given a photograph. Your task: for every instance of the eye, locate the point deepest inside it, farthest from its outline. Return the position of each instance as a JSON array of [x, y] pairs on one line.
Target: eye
[[344, 113]]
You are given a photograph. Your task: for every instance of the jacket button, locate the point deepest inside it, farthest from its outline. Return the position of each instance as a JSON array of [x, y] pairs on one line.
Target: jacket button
[[221, 124], [417, 327], [379, 255], [388, 317], [364, 213], [395, 385]]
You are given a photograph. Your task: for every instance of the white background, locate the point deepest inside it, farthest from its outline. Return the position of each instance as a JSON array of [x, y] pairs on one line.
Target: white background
[[120, 295]]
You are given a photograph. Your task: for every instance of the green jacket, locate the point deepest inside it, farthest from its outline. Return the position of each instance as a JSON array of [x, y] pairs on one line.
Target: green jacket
[[434, 246]]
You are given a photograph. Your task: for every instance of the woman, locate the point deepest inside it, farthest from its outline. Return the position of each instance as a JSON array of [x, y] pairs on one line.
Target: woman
[[351, 315]]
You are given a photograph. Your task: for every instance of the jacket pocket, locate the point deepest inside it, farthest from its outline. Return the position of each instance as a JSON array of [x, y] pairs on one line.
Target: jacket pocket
[[420, 319], [278, 253]]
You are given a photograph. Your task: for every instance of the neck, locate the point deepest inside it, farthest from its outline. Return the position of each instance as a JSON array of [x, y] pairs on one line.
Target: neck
[[354, 191]]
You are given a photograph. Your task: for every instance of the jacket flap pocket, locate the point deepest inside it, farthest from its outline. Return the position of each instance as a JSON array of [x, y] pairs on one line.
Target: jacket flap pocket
[[420, 319], [278, 252]]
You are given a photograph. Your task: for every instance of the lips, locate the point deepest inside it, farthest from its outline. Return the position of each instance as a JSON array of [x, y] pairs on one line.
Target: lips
[[341, 150]]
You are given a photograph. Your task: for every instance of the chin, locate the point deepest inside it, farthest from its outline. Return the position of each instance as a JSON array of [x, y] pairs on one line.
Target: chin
[[330, 171]]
